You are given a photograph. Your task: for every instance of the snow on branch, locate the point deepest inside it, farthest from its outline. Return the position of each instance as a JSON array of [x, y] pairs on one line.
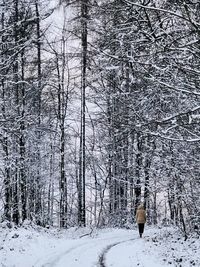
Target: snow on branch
[[194, 23]]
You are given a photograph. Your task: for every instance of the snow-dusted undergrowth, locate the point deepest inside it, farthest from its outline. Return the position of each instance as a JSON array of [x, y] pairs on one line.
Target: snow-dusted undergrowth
[[31, 246]]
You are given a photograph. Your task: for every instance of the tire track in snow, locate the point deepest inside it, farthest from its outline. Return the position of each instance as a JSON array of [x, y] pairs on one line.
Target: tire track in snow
[[101, 262], [53, 261], [59, 256]]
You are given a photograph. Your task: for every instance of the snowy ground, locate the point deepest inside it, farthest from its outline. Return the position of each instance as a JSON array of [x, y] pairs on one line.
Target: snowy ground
[[36, 247]]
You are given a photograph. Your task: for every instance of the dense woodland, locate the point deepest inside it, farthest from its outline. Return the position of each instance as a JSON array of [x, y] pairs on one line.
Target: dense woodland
[[100, 113]]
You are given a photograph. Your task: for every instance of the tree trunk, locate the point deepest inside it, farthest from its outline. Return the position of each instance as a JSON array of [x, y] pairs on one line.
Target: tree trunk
[[7, 176], [16, 216], [81, 207], [38, 186], [22, 171], [137, 170]]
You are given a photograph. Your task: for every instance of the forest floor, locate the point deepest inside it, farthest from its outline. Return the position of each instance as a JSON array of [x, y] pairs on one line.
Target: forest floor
[[32, 246]]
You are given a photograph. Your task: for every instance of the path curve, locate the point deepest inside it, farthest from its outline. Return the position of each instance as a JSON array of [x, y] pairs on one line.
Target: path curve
[[95, 248], [101, 262]]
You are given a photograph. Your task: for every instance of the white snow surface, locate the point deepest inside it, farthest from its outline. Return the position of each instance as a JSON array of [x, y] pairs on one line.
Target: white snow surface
[[31, 246]]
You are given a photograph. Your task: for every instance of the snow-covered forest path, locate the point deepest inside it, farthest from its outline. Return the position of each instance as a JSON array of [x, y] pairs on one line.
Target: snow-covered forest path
[[86, 251], [111, 249], [27, 247]]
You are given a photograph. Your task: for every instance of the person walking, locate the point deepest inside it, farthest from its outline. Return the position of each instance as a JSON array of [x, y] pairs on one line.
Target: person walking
[[141, 218]]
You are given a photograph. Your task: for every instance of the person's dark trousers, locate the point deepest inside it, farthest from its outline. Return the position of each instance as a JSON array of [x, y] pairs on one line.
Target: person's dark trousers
[[141, 228]]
